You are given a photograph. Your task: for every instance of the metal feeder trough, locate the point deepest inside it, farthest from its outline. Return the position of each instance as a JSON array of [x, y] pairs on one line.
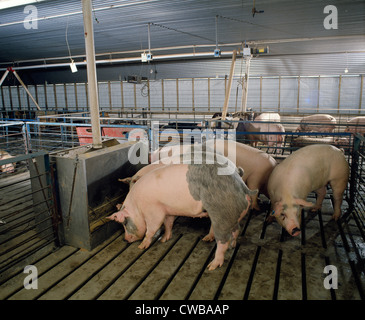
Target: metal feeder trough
[[89, 190]]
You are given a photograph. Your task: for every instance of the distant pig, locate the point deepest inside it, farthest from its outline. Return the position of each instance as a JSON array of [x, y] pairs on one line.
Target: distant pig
[[356, 125], [9, 167], [308, 169], [266, 123], [317, 123], [192, 190]]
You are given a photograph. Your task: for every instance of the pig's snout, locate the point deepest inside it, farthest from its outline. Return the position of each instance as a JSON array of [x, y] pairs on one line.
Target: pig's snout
[[295, 232]]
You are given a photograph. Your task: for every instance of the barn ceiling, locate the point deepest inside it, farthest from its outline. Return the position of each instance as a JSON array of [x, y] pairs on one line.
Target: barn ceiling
[[293, 30]]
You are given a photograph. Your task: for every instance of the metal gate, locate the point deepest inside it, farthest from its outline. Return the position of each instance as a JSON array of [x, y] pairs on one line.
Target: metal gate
[[28, 212]]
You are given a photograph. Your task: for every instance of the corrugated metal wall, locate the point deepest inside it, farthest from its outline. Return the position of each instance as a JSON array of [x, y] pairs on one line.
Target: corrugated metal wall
[[332, 94]]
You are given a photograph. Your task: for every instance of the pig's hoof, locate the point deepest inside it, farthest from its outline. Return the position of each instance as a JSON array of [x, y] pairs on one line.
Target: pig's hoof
[[144, 245], [335, 217], [166, 238], [214, 264], [209, 238]]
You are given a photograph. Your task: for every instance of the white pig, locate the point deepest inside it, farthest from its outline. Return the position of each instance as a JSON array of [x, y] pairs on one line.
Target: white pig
[[308, 169], [356, 125], [185, 190], [317, 123]]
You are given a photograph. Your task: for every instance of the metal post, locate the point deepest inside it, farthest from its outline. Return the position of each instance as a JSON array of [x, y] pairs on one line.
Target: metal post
[[3, 77], [245, 85], [91, 73], [228, 92], [354, 169], [26, 89]]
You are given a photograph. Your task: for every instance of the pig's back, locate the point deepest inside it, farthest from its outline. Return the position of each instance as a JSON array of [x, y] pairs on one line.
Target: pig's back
[[308, 168], [252, 160]]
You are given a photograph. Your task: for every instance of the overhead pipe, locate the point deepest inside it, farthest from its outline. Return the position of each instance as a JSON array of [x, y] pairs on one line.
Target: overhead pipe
[[174, 56], [123, 60], [91, 73]]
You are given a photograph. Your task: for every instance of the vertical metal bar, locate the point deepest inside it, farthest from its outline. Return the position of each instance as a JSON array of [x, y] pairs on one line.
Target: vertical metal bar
[[36, 93], [91, 73], [2, 98], [319, 90], [10, 98], [65, 93], [261, 94], [298, 94], [19, 100], [110, 95], [163, 95], [225, 85], [245, 85], [279, 94], [122, 94], [354, 170], [228, 92], [45, 97], [339, 94], [28, 103], [361, 88], [208, 94], [192, 94], [55, 96], [76, 99], [177, 94], [87, 96], [148, 95], [135, 96]]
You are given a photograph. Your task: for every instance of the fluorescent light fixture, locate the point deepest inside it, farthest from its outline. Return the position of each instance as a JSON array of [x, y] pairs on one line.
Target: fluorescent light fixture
[[4, 4], [73, 66]]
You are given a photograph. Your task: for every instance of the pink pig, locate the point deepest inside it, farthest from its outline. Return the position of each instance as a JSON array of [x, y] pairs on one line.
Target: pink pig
[[308, 169], [185, 190]]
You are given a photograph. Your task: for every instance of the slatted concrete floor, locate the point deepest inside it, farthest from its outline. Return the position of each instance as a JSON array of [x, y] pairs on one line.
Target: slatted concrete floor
[[266, 264]]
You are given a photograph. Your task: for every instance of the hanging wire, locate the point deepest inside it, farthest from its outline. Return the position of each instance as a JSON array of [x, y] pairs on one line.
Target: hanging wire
[[68, 46], [96, 19], [183, 32]]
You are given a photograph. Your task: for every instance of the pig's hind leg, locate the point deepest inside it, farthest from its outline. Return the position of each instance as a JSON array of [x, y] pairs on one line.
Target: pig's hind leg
[[338, 188], [219, 255], [321, 193]]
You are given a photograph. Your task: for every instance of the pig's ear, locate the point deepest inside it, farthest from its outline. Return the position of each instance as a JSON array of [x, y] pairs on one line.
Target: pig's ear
[[304, 203], [277, 209], [117, 216], [126, 180]]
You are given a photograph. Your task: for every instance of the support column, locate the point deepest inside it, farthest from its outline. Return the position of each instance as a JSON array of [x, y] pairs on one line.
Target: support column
[[91, 73]]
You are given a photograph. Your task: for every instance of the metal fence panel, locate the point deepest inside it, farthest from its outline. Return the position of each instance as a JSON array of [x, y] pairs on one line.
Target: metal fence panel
[[28, 214]]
